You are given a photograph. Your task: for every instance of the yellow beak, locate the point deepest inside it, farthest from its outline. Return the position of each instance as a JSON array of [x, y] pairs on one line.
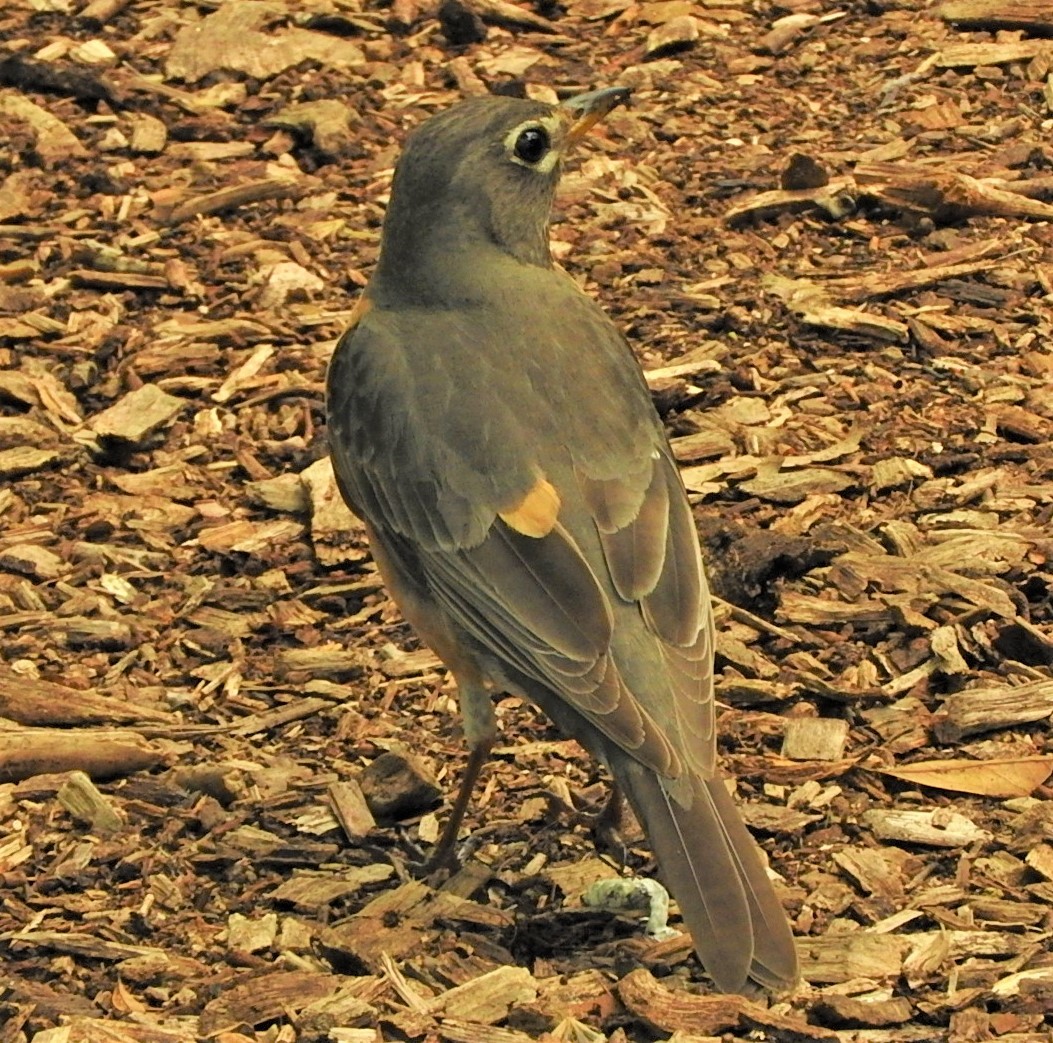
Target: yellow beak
[[586, 110]]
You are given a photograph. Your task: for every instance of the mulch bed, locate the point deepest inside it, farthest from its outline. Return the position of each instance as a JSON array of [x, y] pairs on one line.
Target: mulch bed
[[826, 231]]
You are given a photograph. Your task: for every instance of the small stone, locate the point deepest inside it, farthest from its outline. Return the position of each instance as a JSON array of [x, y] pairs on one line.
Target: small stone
[[398, 784], [460, 24]]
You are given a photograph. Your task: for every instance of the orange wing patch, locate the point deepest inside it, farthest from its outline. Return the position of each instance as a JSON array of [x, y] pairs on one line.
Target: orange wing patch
[[535, 515]]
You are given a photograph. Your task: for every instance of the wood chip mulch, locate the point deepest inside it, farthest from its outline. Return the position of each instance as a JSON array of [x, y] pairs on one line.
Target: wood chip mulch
[[828, 233]]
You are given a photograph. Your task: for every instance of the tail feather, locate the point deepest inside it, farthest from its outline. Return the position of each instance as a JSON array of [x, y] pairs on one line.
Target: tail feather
[[712, 866], [774, 954]]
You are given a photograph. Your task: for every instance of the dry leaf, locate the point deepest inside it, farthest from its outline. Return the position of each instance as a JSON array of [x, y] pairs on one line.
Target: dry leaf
[[1008, 777]]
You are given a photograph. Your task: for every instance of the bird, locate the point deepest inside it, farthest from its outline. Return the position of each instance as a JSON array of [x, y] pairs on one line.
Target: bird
[[492, 429]]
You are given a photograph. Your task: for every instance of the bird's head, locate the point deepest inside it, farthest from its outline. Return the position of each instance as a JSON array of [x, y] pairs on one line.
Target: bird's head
[[481, 176]]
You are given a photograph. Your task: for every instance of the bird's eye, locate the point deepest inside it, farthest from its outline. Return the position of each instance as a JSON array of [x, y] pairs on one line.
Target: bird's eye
[[531, 145]]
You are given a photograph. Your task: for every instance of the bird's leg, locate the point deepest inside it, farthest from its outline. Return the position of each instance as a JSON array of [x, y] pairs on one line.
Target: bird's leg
[[607, 826], [480, 729], [613, 814], [444, 856]]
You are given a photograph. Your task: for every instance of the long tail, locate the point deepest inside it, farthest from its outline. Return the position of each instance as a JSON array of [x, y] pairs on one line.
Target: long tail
[[712, 866]]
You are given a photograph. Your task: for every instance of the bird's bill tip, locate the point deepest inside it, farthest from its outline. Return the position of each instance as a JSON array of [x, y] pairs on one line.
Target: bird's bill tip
[[586, 110]]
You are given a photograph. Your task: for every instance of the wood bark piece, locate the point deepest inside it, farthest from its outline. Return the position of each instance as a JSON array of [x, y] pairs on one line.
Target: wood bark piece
[[281, 284], [965, 944], [917, 575], [243, 377], [1022, 423], [249, 537], [391, 926], [1006, 913], [501, 12], [30, 559], [966, 55], [678, 34], [895, 472], [46, 1002], [795, 486], [879, 872], [855, 1011], [79, 796], [148, 134], [472, 877], [487, 999], [859, 954], [262, 997], [810, 303], [332, 660], [115, 281], [885, 284], [251, 934], [89, 1029], [746, 659], [702, 445], [230, 198], [23, 460], [283, 492], [137, 415], [978, 710], [454, 1030], [587, 993], [101, 753], [17, 199], [351, 809], [815, 738], [669, 1010], [54, 142], [836, 200], [464, 75], [68, 79], [1033, 16], [113, 635], [936, 828], [21, 429], [232, 38], [786, 31], [947, 196], [338, 536], [311, 892], [79, 943], [1040, 859], [395, 662], [331, 1016], [326, 121]]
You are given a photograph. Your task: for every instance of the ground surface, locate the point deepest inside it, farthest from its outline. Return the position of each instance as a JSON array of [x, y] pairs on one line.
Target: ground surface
[[826, 231]]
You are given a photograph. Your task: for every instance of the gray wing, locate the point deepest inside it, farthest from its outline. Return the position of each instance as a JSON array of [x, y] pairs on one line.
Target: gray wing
[[558, 539]]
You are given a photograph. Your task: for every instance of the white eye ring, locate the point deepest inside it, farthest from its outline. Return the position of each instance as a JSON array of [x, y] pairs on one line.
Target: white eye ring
[[518, 150]]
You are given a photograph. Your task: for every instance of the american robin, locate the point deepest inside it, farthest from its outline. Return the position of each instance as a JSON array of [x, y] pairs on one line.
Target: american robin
[[491, 427]]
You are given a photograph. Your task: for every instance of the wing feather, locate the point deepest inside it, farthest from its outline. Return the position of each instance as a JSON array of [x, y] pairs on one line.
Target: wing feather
[[632, 528], [675, 608], [552, 587], [504, 594]]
